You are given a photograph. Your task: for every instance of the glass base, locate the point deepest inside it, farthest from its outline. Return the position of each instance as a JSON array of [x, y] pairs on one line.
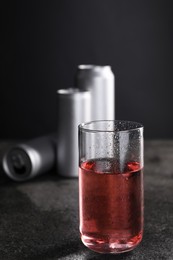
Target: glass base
[[111, 246]]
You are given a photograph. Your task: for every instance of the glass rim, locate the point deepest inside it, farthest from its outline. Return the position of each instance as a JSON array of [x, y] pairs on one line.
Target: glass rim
[[82, 126]]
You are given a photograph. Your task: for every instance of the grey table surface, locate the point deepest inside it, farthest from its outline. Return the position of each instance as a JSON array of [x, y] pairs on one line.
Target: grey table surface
[[39, 218]]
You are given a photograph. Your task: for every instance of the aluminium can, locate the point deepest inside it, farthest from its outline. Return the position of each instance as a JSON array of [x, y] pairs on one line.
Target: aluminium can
[[100, 81], [73, 108], [26, 160]]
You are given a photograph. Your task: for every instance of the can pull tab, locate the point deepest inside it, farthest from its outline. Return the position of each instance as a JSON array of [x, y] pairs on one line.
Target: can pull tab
[[18, 164]]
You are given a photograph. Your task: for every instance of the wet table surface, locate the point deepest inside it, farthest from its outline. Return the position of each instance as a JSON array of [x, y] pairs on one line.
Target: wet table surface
[[39, 218]]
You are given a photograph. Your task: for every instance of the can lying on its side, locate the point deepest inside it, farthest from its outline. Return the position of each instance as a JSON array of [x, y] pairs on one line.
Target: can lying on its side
[[26, 160]]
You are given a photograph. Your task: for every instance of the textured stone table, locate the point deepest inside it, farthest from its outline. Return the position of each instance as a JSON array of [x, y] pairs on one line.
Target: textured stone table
[[39, 218]]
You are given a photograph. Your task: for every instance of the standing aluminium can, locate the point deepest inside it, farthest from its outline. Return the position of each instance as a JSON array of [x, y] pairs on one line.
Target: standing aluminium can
[[100, 81], [73, 108]]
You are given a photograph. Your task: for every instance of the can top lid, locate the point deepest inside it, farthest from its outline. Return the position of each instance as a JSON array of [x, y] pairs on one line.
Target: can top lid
[[71, 91], [93, 67]]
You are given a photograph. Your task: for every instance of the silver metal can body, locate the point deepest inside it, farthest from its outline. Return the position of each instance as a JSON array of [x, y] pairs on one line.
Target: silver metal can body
[[100, 81], [73, 108]]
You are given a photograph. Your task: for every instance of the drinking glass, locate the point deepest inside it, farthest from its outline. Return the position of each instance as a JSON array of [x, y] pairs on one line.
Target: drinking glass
[[111, 185]]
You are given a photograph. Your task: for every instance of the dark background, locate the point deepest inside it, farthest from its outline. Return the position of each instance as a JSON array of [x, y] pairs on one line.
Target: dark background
[[44, 41]]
